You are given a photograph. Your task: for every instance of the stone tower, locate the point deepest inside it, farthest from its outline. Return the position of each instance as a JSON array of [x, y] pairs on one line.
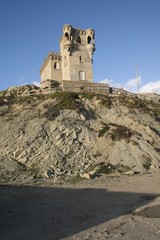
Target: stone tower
[[77, 48], [74, 62]]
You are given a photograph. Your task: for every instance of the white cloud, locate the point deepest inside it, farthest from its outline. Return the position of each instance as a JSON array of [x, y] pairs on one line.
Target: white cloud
[[111, 83], [132, 85], [36, 83], [105, 81], [151, 87], [133, 82]]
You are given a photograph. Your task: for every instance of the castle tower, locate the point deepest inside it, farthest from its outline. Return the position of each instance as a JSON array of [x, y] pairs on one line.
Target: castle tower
[[77, 48], [75, 59]]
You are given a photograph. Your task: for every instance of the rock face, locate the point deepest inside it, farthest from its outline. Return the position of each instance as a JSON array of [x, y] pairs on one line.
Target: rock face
[[69, 134]]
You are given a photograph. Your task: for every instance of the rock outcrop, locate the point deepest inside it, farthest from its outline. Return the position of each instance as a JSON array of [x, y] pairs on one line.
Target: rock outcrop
[[64, 135]]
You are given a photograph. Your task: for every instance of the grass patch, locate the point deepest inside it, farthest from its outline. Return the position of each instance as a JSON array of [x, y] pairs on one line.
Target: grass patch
[[34, 171], [65, 95], [106, 169], [120, 132], [156, 112], [135, 143], [88, 95], [2, 101], [106, 101], [115, 132], [147, 163], [104, 130], [110, 168], [65, 100], [133, 102]]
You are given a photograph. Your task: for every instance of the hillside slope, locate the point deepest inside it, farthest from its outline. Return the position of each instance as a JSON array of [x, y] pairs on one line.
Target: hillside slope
[[65, 135]]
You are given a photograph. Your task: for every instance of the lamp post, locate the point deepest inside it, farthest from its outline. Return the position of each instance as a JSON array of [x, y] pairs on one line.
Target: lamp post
[[137, 77]]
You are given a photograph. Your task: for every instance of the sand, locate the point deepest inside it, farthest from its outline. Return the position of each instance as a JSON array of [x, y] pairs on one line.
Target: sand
[[115, 207]]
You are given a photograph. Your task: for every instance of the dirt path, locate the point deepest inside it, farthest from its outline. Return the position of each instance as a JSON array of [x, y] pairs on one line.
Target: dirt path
[[92, 209]]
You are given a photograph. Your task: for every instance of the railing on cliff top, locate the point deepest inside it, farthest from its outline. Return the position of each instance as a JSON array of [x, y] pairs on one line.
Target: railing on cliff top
[[97, 90]]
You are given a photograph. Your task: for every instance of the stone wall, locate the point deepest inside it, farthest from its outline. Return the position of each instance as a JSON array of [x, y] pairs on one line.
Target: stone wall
[[84, 86]]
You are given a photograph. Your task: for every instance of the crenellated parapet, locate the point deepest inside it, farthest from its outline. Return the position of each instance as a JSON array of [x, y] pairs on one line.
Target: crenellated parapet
[[51, 56], [72, 37]]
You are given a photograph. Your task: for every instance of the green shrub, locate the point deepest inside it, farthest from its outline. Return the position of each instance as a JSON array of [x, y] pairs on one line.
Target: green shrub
[[65, 100], [106, 102], [65, 95], [106, 169], [133, 103], [34, 172], [120, 132], [116, 132], [147, 163], [2, 101], [104, 130], [52, 112], [157, 150], [88, 95], [110, 168]]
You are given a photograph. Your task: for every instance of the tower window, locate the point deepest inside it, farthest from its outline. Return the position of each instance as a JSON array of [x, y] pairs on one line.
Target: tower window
[[80, 59], [55, 65], [78, 39], [66, 35], [89, 39], [81, 75]]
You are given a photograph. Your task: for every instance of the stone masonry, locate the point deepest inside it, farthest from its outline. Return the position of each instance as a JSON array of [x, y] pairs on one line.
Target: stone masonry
[[74, 62]]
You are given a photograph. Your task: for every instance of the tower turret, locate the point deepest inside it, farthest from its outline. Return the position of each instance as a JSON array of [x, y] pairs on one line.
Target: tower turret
[[90, 42], [77, 48], [67, 36]]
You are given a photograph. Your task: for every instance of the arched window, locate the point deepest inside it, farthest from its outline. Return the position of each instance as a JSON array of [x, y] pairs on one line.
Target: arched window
[[55, 65], [80, 59], [66, 35], [78, 39], [89, 39]]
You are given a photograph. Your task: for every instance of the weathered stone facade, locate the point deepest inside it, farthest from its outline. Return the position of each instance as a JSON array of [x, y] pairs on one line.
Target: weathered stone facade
[[74, 62]]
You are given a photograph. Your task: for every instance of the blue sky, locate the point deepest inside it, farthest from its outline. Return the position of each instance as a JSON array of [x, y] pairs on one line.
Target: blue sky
[[127, 33]]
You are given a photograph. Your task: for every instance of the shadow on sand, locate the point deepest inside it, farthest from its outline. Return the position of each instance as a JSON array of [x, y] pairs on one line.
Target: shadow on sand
[[43, 213]]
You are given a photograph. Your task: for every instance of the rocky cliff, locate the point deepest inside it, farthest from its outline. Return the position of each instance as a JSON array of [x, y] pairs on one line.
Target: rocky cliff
[[69, 135]]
